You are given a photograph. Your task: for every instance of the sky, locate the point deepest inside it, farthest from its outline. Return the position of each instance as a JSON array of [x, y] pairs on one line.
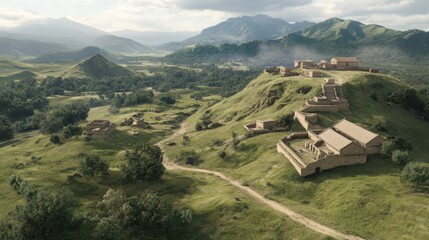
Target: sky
[[195, 15]]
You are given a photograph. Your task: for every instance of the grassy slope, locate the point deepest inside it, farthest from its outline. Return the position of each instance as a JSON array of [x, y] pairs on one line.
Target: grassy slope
[[9, 68], [366, 200], [217, 215]]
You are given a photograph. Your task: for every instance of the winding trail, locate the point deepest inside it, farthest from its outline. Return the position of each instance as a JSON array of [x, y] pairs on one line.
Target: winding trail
[[252, 193]]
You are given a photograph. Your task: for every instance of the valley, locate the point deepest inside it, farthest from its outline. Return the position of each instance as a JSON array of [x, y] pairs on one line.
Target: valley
[[230, 132]]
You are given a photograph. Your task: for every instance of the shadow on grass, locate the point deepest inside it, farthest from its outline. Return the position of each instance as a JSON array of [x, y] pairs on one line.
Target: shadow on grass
[[375, 166]]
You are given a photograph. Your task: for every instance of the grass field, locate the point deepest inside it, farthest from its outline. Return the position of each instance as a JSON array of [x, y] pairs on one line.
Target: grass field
[[219, 210], [9, 68], [365, 200]]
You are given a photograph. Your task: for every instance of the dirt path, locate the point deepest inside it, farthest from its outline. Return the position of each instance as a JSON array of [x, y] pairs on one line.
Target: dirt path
[[274, 205]]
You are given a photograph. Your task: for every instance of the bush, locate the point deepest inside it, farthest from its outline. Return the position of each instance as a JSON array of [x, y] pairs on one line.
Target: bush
[[286, 120], [93, 166], [143, 162], [189, 157], [304, 89], [55, 139], [401, 157], [168, 99], [222, 154], [6, 129], [72, 130], [388, 147], [415, 173]]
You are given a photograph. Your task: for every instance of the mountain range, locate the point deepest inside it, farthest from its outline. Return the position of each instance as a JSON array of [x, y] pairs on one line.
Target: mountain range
[[323, 40], [154, 38], [72, 35], [240, 30]]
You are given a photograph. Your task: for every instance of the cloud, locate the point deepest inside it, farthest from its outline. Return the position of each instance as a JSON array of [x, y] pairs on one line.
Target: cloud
[[195, 15], [10, 17], [238, 5]]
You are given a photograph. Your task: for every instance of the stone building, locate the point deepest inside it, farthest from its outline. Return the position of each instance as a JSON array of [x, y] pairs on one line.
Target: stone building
[[366, 139], [345, 63], [317, 150], [101, 128], [328, 102], [307, 120], [311, 73], [304, 64], [263, 126]]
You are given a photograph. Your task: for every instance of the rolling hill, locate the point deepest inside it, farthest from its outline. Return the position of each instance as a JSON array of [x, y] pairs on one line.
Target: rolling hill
[[77, 55], [19, 48], [398, 52], [352, 199], [98, 67]]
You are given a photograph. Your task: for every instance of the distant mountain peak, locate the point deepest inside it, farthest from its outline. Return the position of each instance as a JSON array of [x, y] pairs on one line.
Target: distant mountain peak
[[246, 29]]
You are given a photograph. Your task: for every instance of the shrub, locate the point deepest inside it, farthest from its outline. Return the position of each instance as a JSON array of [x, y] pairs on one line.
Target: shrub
[[217, 142], [55, 139], [401, 157], [415, 173], [304, 89], [222, 154], [186, 140], [167, 99], [286, 120], [72, 130], [93, 166], [189, 157], [143, 162]]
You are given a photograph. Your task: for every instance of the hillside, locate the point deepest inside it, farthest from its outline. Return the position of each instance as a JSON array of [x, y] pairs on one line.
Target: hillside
[[20, 48], [76, 55], [399, 53], [352, 199], [241, 30], [98, 67]]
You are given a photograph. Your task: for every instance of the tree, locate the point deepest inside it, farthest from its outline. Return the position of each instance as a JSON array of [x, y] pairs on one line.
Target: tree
[[93, 166], [47, 215], [143, 162], [401, 157], [6, 129], [72, 130], [415, 173], [148, 213]]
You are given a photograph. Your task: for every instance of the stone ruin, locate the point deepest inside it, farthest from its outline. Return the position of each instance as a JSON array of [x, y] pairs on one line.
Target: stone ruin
[[101, 128], [282, 71], [264, 126], [315, 150], [328, 102], [135, 121]]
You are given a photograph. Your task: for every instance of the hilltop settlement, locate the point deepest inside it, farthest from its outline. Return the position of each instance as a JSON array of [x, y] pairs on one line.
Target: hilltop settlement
[[319, 149]]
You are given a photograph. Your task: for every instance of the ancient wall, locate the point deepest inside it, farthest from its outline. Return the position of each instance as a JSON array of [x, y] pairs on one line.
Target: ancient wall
[[333, 161], [320, 108]]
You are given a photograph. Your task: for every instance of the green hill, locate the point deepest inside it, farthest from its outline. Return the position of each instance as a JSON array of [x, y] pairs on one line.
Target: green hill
[[365, 200], [401, 53], [98, 67], [19, 76], [76, 55]]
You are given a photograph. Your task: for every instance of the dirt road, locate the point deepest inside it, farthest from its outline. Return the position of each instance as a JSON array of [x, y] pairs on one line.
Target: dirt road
[[252, 193]]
